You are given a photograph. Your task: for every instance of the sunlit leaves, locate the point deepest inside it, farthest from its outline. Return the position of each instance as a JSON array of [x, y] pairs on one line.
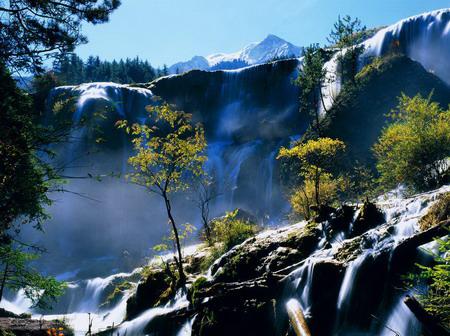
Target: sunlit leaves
[[168, 154], [317, 158], [415, 148]]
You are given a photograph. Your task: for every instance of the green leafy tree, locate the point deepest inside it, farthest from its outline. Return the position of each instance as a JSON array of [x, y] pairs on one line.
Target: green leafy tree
[[18, 274], [318, 159], [311, 78], [168, 155], [24, 176], [32, 31], [346, 36], [436, 297], [414, 149]]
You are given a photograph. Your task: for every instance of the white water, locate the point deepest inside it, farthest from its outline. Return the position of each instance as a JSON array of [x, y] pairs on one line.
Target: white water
[[136, 327], [424, 38], [403, 214]]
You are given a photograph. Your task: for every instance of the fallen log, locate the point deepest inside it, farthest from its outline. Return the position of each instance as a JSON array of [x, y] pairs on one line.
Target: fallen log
[[298, 321], [430, 324], [409, 245]]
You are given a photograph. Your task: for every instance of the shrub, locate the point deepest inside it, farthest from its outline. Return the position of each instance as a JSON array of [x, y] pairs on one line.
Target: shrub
[[230, 230], [303, 197], [414, 149], [226, 232]]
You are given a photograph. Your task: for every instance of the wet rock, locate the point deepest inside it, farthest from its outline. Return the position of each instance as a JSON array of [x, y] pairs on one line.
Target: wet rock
[[440, 211], [325, 285], [151, 291], [323, 212], [270, 251], [369, 217], [10, 326], [250, 317], [340, 220]]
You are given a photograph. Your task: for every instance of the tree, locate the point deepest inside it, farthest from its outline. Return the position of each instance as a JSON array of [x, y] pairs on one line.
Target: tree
[[24, 177], [168, 155], [17, 274], [346, 36], [32, 31], [414, 149], [318, 158], [311, 79], [205, 193]]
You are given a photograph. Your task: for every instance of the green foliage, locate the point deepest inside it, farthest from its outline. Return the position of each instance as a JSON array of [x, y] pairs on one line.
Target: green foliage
[[197, 285], [415, 148], [169, 155], [23, 175], [346, 32], [186, 231], [317, 158], [117, 293], [71, 70], [304, 196], [33, 31], [436, 299], [18, 274], [310, 79], [226, 232], [230, 230], [346, 36]]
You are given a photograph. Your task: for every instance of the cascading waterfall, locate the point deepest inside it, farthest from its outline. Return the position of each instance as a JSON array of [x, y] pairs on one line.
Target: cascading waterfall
[[402, 215], [137, 326], [81, 299], [424, 38]]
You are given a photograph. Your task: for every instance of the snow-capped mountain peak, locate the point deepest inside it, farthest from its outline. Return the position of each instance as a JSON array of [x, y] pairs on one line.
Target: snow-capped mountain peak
[[272, 47]]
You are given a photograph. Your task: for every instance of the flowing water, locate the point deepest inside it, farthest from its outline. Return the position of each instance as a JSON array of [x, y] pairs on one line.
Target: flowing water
[[403, 215]]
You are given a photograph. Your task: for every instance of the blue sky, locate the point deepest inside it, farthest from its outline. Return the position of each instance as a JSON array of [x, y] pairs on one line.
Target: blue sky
[[167, 31]]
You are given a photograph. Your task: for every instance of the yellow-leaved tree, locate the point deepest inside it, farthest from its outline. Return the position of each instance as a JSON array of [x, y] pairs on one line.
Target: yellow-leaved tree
[[414, 149], [168, 155], [318, 158]]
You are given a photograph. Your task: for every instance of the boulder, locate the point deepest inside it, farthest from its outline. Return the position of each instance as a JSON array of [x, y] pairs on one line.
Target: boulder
[[153, 290], [369, 217]]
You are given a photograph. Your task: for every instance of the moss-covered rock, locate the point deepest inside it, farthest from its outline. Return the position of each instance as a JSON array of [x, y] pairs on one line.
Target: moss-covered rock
[[270, 251], [439, 212], [117, 294], [154, 289]]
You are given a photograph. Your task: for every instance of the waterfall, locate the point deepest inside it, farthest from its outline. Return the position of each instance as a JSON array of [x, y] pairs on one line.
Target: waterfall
[[137, 326], [402, 216], [424, 38], [401, 321]]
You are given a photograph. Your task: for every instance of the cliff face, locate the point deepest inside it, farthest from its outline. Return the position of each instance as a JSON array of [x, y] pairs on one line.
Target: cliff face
[[258, 102], [360, 111]]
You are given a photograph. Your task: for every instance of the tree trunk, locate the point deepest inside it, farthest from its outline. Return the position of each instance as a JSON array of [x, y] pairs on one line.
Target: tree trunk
[[206, 224], [317, 186], [179, 262], [431, 326], [2, 286]]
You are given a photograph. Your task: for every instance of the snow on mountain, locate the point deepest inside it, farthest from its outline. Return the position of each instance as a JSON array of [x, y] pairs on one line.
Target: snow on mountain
[[196, 62], [272, 47]]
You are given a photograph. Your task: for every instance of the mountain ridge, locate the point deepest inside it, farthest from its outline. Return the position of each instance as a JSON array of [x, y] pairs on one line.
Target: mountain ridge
[[271, 47]]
